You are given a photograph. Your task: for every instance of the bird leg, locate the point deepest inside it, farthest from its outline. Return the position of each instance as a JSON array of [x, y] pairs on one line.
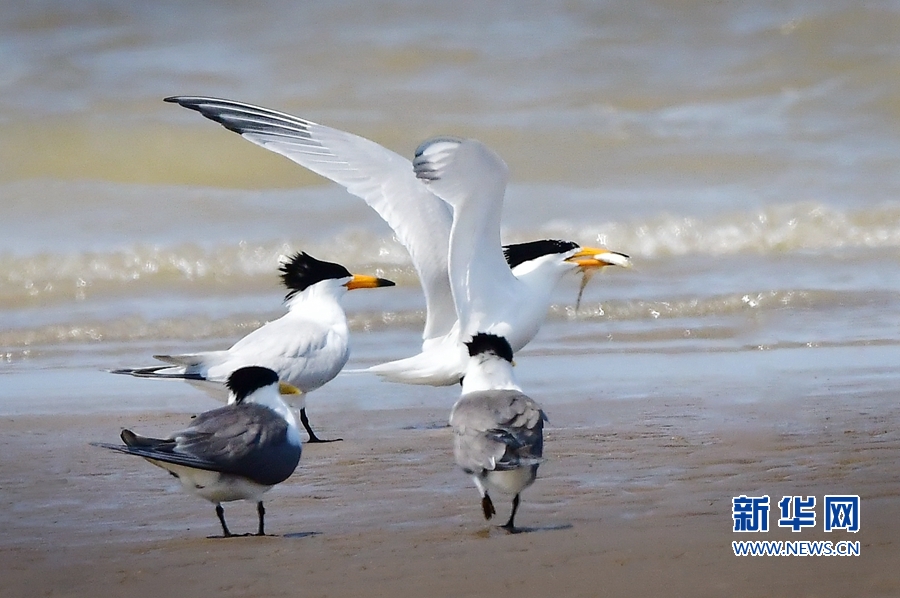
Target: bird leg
[[487, 506], [509, 525], [262, 515], [312, 435], [221, 513]]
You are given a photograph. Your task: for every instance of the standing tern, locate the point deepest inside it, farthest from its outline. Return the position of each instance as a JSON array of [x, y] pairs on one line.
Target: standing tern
[[497, 429], [307, 347], [416, 203], [235, 452]]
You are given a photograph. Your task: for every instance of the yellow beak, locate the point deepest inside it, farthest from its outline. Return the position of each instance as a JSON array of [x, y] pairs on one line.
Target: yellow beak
[[598, 257], [361, 281], [288, 389]]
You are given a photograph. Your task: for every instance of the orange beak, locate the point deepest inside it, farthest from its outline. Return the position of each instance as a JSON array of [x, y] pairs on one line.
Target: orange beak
[[598, 257], [362, 281]]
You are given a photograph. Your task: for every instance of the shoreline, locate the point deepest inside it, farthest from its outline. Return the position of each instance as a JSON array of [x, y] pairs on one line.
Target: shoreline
[[640, 504]]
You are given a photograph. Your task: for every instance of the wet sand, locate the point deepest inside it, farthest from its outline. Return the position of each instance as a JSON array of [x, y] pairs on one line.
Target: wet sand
[[634, 499]]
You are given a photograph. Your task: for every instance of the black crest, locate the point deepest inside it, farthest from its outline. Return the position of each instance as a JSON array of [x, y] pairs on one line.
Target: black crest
[[245, 381], [519, 253], [303, 270], [484, 342]]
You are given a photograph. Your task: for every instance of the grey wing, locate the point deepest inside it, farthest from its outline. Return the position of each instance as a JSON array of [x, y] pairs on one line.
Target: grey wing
[[247, 440], [384, 179], [485, 410], [497, 430], [230, 433], [158, 449], [161, 454]]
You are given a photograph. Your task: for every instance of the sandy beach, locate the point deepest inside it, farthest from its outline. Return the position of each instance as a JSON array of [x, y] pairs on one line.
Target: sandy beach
[[744, 155], [638, 504]]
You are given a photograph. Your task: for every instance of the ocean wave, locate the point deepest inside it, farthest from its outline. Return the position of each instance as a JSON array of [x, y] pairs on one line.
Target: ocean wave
[[772, 230], [179, 330], [807, 228], [715, 305], [193, 328], [39, 279]]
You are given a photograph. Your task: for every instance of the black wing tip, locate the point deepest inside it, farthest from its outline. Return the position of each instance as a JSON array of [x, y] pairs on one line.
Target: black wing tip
[[146, 372], [183, 99], [153, 372], [203, 105], [119, 448], [128, 437], [192, 102], [438, 139], [427, 174], [423, 165], [484, 342]]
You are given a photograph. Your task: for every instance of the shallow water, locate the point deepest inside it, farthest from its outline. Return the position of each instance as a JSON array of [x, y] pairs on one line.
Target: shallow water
[[744, 155]]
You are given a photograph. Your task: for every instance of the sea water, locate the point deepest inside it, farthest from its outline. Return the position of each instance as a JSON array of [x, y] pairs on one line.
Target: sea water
[[743, 154]]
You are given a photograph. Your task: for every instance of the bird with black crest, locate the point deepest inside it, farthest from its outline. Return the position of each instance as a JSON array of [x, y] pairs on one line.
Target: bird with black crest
[[307, 347], [497, 429], [235, 452], [445, 208]]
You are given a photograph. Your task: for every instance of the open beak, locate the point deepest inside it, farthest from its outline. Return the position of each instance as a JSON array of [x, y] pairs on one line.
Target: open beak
[[596, 257], [288, 389], [361, 281]]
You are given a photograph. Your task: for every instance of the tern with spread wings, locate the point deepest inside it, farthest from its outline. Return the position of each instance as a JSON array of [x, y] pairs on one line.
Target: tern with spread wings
[[446, 211]]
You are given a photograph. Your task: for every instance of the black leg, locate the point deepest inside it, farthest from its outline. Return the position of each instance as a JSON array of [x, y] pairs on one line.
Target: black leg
[[487, 506], [509, 525], [312, 435], [221, 513], [262, 516]]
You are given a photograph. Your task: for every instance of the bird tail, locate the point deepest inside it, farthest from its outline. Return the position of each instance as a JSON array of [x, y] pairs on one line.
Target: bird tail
[[135, 444], [158, 371], [179, 367], [137, 441], [426, 368]]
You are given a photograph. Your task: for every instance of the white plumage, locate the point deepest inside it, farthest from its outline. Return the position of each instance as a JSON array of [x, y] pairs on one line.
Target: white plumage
[[456, 251], [306, 347]]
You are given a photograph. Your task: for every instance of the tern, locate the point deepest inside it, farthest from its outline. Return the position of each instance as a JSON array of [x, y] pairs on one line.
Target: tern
[[497, 429], [307, 347], [235, 452], [446, 211]]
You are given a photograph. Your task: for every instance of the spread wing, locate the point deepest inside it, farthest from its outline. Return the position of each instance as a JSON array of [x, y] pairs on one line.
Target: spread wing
[[384, 179], [472, 178]]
